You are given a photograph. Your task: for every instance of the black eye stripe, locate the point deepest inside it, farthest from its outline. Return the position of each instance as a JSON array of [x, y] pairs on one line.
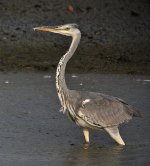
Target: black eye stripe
[[67, 28]]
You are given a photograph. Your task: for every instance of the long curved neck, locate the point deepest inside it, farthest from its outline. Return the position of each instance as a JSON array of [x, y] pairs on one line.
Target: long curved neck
[[60, 73]]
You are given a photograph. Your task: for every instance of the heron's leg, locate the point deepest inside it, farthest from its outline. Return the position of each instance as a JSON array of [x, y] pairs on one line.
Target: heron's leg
[[114, 133], [86, 135]]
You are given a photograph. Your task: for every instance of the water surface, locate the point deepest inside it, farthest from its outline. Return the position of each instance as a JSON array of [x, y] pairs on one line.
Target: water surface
[[34, 132]]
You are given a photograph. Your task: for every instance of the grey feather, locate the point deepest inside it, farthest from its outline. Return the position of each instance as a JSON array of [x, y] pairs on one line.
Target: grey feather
[[103, 110]]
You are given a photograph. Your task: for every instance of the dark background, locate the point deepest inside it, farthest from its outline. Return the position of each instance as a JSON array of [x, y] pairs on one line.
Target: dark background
[[115, 35]]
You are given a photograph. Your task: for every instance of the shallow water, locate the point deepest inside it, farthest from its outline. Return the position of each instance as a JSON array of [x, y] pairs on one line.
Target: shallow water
[[34, 132]]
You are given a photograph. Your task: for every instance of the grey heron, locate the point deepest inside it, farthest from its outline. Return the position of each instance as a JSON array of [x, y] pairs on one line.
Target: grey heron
[[89, 110]]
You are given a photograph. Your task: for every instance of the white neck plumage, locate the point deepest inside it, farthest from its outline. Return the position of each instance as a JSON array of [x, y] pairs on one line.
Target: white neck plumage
[[61, 86]]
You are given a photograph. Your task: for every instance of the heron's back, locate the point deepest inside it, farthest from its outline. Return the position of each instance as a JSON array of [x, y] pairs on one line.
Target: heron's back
[[101, 110]]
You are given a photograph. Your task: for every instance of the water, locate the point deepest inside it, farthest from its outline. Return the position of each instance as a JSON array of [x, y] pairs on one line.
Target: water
[[34, 132]]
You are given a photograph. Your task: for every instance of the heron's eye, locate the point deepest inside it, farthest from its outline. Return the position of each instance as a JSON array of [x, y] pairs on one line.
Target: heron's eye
[[67, 28]]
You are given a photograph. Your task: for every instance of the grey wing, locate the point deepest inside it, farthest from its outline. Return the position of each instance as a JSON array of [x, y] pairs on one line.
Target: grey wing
[[105, 111]]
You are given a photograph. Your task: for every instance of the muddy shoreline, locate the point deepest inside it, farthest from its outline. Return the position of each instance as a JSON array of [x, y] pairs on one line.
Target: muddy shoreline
[[115, 36], [21, 59]]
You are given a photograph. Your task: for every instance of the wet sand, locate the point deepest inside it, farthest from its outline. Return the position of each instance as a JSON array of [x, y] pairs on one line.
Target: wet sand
[[34, 132]]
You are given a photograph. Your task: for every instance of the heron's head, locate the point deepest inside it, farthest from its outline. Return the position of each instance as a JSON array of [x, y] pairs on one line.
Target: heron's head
[[67, 29]]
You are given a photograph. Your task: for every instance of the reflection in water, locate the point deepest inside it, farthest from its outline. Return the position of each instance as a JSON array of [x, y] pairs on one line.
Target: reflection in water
[[93, 155], [86, 146]]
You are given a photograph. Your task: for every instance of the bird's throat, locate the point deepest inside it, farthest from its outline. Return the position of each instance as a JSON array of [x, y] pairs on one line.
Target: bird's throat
[[61, 86]]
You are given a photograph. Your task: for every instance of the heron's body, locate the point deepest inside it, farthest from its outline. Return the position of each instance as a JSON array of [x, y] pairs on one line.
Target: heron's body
[[88, 109]]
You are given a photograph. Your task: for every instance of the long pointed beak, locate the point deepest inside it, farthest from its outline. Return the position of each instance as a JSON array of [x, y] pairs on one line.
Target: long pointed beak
[[53, 29], [45, 28]]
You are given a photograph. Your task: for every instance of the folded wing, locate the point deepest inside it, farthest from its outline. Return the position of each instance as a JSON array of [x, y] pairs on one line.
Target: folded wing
[[106, 111]]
